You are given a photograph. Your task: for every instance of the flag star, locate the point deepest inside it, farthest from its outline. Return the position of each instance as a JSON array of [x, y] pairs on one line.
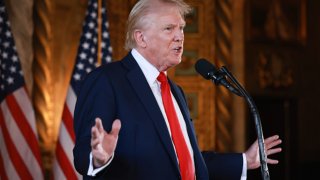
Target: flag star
[[13, 69], [105, 34], [5, 55], [80, 66], [8, 34], [93, 15], [91, 60], [93, 50], [76, 76], [91, 25], [95, 5], [110, 49], [83, 55], [88, 35], [10, 80], [108, 58], [14, 58], [85, 45], [95, 40], [88, 70], [103, 44], [106, 24], [6, 44]]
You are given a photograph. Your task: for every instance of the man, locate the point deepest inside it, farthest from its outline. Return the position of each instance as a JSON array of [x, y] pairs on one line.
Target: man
[[131, 124]]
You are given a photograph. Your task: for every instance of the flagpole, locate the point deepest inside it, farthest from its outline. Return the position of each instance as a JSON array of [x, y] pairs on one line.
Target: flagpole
[[99, 32]]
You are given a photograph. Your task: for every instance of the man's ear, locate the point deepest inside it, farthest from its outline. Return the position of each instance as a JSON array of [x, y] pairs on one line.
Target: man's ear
[[140, 39]]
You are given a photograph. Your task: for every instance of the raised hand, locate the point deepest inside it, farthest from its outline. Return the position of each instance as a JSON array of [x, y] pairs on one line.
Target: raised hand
[[252, 154], [103, 144]]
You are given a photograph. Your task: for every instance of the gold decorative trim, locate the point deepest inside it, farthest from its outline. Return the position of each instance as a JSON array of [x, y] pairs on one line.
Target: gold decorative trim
[[42, 79], [223, 17]]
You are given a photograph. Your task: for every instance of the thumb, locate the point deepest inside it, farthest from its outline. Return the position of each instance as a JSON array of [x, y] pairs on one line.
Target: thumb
[[116, 125]]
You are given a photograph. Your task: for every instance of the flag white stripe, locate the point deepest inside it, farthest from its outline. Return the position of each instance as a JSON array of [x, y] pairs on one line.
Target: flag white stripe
[[66, 142], [23, 100], [71, 100], [8, 166], [67, 147], [20, 143], [57, 171]]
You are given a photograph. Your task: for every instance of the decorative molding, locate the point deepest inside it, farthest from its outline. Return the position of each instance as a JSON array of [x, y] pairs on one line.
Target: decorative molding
[[43, 89], [223, 22]]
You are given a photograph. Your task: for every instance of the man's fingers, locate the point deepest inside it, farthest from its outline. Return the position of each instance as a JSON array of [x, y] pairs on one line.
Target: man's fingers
[[271, 139], [272, 161], [99, 125], [116, 125], [94, 136], [94, 132], [273, 151], [95, 143], [272, 142]]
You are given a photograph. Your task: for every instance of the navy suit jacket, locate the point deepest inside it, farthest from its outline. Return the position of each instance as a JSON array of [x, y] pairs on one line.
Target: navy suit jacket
[[144, 149]]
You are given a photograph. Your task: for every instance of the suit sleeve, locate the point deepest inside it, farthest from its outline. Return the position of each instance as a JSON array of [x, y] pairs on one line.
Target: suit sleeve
[[95, 99], [223, 165]]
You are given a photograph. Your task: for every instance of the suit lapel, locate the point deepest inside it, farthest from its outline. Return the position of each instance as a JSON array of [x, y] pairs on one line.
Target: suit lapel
[[142, 89]]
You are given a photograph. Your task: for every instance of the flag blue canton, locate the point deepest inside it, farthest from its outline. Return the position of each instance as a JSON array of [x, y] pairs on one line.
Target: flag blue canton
[[11, 76], [87, 51]]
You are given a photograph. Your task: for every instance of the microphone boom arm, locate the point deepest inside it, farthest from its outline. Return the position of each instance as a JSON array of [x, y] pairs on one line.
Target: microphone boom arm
[[257, 120]]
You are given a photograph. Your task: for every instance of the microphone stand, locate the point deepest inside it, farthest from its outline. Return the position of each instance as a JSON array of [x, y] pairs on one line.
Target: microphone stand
[[257, 120]]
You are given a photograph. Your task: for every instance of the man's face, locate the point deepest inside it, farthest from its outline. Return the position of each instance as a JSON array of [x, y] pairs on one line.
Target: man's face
[[163, 35]]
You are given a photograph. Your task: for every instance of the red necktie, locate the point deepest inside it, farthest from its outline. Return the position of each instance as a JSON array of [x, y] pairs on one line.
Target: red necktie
[[185, 161]]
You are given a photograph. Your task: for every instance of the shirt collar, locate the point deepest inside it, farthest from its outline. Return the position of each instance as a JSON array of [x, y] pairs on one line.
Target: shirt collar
[[150, 72]]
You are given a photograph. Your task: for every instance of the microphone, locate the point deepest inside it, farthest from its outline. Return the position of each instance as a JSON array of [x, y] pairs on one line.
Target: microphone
[[209, 71]]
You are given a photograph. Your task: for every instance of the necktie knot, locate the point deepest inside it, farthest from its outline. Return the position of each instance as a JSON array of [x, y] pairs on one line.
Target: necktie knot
[[162, 78]]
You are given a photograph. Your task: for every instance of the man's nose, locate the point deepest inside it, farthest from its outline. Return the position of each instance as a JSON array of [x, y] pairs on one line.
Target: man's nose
[[179, 36]]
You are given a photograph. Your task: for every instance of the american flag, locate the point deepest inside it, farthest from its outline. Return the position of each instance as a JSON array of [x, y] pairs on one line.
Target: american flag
[[86, 61], [19, 150]]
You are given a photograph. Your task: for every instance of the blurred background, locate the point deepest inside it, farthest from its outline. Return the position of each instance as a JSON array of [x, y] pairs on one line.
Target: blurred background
[[272, 47]]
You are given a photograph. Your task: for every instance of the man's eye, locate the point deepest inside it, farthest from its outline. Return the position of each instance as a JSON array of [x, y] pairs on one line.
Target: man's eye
[[168, 28]]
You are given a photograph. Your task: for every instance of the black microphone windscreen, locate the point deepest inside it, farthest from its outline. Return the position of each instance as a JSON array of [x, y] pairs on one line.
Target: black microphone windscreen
[[204, 68]]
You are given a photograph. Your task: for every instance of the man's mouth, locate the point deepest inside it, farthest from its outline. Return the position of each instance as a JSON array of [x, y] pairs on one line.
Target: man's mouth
[[178, 49]]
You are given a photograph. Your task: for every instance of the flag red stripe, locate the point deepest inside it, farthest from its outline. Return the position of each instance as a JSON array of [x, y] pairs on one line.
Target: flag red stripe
[[24, 126], [3, 174], [68, 121], [64, 163], [15, 157]]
